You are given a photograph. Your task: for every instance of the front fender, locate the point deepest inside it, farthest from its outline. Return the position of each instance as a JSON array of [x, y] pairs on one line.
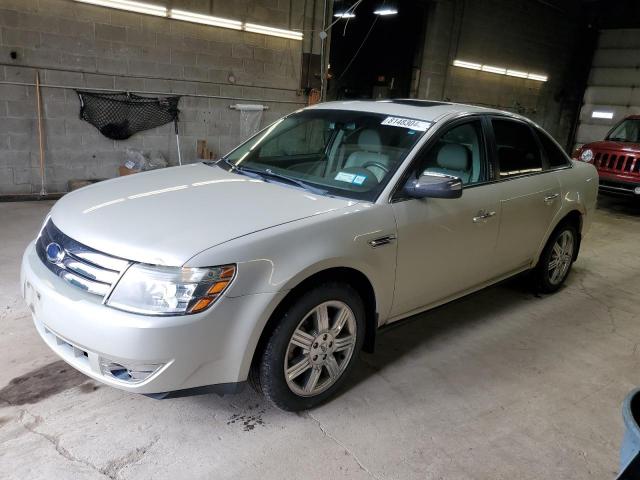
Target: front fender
[[277, 259]]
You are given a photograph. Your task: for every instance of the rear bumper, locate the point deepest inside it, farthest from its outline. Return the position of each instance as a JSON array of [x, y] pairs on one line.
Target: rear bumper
[[213, 347]]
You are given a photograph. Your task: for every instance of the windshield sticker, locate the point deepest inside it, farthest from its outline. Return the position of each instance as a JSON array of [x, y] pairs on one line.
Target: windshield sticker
[[359, 180], [345, 177], [406, 123], [350, 178]]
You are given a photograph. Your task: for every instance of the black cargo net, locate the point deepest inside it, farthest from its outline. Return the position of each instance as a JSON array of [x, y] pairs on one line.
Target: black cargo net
[[120, 115]]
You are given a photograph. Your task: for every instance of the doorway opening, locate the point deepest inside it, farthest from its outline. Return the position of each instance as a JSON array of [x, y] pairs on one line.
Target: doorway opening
[[376, 56]]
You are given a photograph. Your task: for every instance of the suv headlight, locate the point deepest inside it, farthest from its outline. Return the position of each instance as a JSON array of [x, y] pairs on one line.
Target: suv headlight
[[156, 290], [586, 155]]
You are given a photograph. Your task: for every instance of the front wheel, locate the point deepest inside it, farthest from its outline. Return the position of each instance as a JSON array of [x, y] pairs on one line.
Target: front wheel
[[556, 258], [312, 349]]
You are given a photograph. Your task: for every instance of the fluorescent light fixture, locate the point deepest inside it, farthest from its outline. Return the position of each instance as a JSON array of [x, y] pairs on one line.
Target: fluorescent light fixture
[[517, 73], [491, 69], [601, 114], [205, 19], [463, 64], [275, 32], [176, 14], [386, 11], [344, 15], [535, 76], [138, 7], [499, 70]]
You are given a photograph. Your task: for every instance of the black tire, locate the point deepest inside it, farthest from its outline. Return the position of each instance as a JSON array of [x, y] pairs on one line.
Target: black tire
[[542, 276], [268, 372]]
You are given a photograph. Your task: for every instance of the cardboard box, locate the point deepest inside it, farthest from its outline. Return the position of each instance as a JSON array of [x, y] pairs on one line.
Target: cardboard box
[[122, 171]]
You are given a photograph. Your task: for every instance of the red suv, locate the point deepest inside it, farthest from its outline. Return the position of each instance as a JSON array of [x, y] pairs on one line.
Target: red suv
[[617, 158]]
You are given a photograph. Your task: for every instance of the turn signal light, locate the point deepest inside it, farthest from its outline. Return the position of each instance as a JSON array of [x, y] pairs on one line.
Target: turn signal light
[[216, 289]]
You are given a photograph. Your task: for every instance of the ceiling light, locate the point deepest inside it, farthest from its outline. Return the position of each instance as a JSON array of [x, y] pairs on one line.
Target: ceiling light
[[463, 64], [386, 8], [385, 11], [205, 19], [600, 114], [344, 14], [500, 70], [276, 32], [535, 76], [139, 7], [517, 73]]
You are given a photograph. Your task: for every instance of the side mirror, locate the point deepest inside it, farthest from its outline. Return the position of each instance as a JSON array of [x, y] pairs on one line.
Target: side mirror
[[434, 185]]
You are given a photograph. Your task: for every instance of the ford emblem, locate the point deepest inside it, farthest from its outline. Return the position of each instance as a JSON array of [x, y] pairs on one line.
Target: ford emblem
[[55, 253]]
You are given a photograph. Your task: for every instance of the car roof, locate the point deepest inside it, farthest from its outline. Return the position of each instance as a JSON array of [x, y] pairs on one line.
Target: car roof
[[428, 110]]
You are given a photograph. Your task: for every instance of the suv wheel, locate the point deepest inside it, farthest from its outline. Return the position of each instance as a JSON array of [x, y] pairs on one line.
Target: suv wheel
[[312, 349]]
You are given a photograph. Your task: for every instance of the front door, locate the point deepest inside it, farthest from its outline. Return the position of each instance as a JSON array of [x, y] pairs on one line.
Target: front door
[[446, 246]]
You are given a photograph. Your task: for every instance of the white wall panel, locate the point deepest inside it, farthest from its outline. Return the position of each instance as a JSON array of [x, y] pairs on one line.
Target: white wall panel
[[614, 83]]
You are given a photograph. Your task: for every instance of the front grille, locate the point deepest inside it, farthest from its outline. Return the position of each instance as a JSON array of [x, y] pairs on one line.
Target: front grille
[[617, 163], [77, 264]]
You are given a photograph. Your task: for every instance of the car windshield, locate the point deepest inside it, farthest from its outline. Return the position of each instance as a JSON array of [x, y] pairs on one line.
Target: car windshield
[[337, 152], [627, 131]]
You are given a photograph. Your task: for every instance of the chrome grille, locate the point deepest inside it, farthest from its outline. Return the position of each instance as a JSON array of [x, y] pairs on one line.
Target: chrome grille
[[79, 265], [612, 162]]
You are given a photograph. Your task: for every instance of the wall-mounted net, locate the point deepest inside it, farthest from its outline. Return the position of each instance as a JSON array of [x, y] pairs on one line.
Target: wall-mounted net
[[120, 115]]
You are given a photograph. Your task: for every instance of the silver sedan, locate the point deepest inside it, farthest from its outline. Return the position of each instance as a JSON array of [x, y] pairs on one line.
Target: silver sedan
[[280, 262]]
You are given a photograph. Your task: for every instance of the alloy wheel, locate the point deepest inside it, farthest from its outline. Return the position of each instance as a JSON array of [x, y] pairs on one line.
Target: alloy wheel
[[320, 348], [561, 258]]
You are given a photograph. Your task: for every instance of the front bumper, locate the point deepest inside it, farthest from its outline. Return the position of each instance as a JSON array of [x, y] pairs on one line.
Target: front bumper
[[614, 185], [212, 347]]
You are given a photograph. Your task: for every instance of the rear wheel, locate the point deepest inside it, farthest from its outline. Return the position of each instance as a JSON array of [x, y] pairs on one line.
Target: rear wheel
[[556, 259], [312, 349]]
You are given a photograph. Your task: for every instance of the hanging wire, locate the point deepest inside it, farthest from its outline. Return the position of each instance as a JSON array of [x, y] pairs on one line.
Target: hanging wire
[[373, 24], [326, 29]]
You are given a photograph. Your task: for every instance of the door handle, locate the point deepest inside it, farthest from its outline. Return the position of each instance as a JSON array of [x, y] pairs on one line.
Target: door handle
[[551, 198], [483, 215]]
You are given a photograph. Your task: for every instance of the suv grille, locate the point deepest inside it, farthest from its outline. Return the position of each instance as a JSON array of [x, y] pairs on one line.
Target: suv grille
[[77, 264], [611, 162]]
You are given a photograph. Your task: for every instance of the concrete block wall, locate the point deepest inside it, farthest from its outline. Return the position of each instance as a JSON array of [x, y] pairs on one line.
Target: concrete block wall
[[74, 45], [529, 35]]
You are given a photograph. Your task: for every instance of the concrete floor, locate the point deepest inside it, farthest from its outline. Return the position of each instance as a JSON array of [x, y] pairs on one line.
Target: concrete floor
[[500, 385]]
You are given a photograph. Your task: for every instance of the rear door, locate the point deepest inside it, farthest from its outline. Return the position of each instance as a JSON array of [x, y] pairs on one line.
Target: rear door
[[530, 193]]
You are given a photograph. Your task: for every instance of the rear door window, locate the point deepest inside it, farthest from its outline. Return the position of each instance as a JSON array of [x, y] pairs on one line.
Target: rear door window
[[516, 147], [556, 158]]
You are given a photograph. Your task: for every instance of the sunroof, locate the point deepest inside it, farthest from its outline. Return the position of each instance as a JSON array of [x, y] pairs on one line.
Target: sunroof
[[417, 103]]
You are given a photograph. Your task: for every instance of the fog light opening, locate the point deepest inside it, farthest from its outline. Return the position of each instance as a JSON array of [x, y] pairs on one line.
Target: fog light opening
[[130, 373], [637, 191]]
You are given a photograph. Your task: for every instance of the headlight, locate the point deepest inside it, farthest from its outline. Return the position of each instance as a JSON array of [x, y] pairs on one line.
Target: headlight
[[586, 155], [154, 290]]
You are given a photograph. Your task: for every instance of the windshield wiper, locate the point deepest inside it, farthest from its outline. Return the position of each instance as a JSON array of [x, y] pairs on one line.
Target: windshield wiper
[[265, 174]]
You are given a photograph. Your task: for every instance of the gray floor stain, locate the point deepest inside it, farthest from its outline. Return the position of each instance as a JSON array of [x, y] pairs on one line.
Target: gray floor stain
[[88, 387], [249, 420], [41, 383]]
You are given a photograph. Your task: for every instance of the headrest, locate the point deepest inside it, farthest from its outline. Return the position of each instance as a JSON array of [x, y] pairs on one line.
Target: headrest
[[453, 157], [369, 140]]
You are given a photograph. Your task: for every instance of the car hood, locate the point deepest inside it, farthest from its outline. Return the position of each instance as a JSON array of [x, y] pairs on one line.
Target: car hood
[[617, 146], [166, 216]]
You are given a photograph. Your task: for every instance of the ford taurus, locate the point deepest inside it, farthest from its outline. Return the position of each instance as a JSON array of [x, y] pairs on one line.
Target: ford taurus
[[278, 263]]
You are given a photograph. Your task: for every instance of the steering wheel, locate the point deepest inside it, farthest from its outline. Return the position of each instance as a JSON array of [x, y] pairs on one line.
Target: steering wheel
[[373, 163]]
